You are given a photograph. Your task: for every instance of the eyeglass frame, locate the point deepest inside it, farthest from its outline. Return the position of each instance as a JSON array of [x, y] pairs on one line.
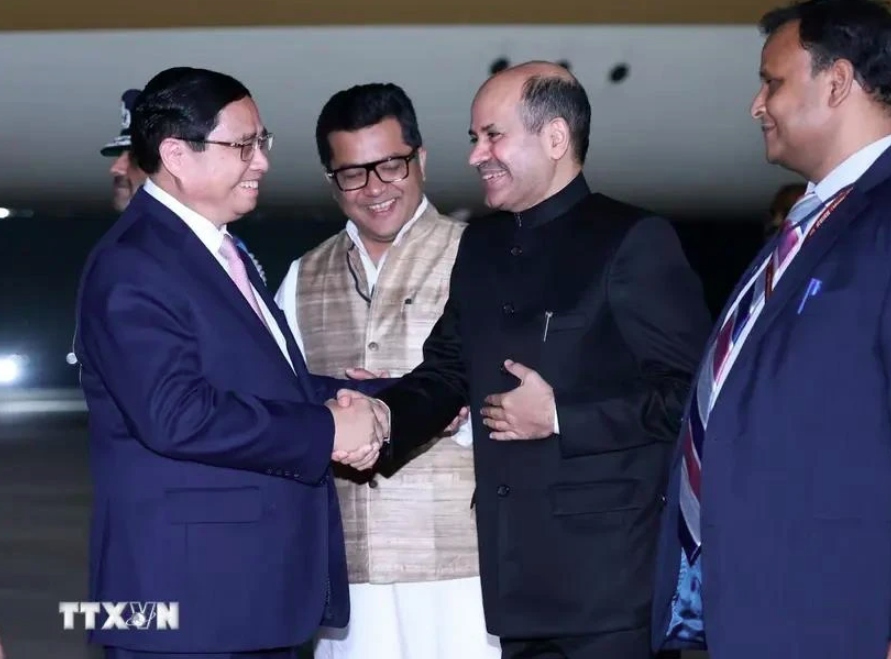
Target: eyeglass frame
[[254, 143], [331, 174]]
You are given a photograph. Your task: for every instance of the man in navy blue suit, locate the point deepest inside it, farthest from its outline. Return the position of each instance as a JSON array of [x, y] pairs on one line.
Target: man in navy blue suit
[[776, 536], [210, 442]]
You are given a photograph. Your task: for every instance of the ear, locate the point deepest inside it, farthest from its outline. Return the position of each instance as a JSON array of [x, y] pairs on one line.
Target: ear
[[422, 162], [556, 137], [842, 80], [173, 156]]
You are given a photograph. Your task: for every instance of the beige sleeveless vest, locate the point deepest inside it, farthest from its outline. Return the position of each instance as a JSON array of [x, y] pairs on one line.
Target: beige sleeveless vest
[[416, 525]]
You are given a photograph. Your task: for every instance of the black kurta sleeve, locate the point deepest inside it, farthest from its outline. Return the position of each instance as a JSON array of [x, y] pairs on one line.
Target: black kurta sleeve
[[659, 307]]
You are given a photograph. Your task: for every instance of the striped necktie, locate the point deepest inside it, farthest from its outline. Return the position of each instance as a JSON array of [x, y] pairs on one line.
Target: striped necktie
[[713, 370]]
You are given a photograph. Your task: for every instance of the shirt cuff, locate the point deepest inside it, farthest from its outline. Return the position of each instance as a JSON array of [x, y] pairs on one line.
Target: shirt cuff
[[556, 421]]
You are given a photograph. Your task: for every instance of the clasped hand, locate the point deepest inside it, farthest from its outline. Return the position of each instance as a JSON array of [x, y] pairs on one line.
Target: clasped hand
[[361, 425], [364, 374]]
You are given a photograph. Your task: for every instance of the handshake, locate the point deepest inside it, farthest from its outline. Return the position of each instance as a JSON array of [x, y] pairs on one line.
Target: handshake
[[362, 424]]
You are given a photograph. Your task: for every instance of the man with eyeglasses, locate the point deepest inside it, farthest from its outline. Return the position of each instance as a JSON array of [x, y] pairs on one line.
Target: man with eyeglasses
[[210, 442], [368, 297]]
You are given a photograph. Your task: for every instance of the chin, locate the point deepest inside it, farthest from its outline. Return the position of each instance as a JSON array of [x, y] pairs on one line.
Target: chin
[[495, 201]]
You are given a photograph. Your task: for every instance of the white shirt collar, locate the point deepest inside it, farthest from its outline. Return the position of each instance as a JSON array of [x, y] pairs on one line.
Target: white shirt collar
[[353, 230], [207, 232], [850, 170]]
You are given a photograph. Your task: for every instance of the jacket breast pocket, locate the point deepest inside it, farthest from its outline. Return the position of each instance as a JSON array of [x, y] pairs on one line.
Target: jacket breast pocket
[[213, 505]]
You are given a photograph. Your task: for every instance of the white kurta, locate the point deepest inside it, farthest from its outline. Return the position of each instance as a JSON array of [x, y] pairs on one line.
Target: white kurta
[[421, 620], [424, 620]]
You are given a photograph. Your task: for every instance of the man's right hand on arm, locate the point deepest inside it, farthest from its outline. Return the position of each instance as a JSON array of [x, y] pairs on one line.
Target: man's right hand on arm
[[361, 424]]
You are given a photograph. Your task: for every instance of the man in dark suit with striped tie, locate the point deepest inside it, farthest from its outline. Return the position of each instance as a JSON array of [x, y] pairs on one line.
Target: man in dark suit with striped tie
[[777, 530]]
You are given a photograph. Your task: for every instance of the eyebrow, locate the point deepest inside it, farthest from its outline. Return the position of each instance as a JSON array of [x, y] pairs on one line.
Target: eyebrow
[[392, 155], [252, 136], [484, 129]]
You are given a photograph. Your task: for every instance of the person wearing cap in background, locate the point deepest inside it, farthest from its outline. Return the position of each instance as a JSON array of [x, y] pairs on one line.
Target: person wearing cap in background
[[126, 175]]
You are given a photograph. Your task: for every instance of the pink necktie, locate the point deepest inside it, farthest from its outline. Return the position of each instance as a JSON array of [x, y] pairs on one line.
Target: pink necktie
[[239, 274]]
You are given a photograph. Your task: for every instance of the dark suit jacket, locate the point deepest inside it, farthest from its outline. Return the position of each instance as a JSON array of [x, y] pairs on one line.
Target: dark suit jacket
[[210, 457], [796, 477], [567, 525]]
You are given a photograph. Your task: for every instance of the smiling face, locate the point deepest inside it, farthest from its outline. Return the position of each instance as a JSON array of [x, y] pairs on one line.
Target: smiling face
[[793, 104], [516, 166], [217, 182], [382, 207]]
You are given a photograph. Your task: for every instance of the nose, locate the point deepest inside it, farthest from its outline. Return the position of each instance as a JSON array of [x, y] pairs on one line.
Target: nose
[[375, 185], [260, 161], [478, 154], [757, 109], [120, 164]]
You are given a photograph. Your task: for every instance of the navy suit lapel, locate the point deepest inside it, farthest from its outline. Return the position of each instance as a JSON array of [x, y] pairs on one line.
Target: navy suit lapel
[[209, 270], [790, 286], [260, 286]]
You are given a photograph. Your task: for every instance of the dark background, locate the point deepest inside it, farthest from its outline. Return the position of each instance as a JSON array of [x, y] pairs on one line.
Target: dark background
[[42, 259]]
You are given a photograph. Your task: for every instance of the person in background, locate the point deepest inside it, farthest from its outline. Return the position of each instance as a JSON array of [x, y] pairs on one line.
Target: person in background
[[368, 297], [126, 174], [780, 205]]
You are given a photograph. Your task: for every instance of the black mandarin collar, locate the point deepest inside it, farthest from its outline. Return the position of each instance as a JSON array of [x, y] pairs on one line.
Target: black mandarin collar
[[556, 205]]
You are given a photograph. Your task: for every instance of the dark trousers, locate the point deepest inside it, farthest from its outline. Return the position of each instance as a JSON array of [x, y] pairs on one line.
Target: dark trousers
[[285, 653], [629, 644]]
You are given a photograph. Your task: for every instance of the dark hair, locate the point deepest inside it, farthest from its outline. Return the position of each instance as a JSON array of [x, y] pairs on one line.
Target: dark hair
[[362, 106], [546, 98], [855, 30], [180, 102]]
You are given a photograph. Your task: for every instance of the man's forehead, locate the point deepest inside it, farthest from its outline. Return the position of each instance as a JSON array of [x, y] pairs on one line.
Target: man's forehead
[[240, 119], [781, 43], [385, 131], [493, 109]]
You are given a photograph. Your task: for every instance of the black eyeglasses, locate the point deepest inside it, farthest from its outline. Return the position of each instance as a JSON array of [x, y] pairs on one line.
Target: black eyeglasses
[[263, 142], [388, 170]]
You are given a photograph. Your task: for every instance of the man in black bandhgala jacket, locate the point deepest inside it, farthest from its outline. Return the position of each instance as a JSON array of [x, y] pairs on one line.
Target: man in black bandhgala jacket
[[573, 329]]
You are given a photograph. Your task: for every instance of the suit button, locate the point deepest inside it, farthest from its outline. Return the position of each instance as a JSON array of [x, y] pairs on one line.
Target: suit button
[[516, 250], [372, 484], [373, 346], [503, 490], [508, 308]]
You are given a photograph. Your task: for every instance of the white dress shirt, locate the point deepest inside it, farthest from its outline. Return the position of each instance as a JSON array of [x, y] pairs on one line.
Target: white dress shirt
[[212, 237]]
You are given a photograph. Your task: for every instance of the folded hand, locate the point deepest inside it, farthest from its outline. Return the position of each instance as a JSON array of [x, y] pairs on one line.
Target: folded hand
[[526, 412]]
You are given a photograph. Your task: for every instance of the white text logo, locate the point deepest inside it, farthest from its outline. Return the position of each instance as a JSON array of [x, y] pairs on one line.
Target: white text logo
[[121, 615]]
